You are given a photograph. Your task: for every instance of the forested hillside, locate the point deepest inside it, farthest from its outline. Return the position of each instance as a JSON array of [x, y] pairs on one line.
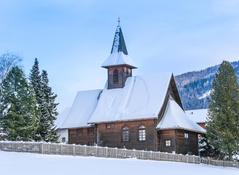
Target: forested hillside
[[195, 87]]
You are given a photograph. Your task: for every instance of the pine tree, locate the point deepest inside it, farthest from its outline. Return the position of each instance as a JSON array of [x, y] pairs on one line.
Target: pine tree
[[50, 99], [223, 123], [18, 106]]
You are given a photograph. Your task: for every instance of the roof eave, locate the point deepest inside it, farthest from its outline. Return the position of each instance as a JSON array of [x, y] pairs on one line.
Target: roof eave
[[117, 65], [186, 129], [75, 127], [115, 121]]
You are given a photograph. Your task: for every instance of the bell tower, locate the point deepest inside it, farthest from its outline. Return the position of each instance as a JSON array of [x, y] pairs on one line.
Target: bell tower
[[119, 65]]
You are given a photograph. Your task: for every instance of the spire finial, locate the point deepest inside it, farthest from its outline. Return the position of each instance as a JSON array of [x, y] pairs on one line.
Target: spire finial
[[118, 21]]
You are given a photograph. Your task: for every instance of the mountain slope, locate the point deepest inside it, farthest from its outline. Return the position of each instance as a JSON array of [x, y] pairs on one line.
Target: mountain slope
[[195, 87]]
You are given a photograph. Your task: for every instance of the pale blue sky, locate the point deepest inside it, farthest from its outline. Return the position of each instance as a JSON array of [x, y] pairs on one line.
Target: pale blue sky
[[72, 38]]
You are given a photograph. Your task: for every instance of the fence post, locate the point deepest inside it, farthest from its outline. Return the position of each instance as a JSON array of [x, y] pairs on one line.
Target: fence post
[[42, 148], [116, 152], [151, 155], [144, 156], [61, 148], [134, 155], [74, 149], [85, 151], [97, 151], [106, 151]]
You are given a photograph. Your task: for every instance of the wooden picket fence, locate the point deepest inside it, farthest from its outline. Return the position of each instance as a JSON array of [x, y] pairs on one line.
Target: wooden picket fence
[[83, 150]]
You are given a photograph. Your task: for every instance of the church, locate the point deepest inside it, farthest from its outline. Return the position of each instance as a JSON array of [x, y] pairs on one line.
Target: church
[[133, 112]]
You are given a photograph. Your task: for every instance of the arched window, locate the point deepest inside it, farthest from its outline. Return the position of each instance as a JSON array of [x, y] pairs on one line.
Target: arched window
[[115, 76], [129, 72], [125, 134], [186, 138], [142, 133]]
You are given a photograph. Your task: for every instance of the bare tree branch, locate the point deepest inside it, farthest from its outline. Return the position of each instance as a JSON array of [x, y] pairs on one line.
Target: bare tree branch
[[7, 61]]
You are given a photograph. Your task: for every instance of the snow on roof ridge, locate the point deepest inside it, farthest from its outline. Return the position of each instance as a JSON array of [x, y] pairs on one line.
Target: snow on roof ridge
[[140, 98]]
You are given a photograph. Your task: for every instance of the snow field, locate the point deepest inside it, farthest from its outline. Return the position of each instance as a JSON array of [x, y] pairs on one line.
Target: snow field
[[28, 164]]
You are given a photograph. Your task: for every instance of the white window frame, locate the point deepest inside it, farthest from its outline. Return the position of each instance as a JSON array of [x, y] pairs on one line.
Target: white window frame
[[142, 133], [109, 126], [125, 134], [168, 143], [186, 135]]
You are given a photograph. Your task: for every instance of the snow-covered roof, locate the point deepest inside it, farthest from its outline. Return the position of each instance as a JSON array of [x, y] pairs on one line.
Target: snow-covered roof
[[198, 115], [82, 108], [141, 98], [175, 118], [62, 117], [118, 58]]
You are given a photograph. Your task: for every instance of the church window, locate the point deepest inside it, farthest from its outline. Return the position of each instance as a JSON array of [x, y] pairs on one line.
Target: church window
[[109, 125], [167, 143], [125, 134], [186, 136], [129, 72], [142, 133], [115, 76]]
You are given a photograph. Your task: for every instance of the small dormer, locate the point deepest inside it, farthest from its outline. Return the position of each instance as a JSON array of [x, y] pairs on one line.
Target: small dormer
[[118, 64]]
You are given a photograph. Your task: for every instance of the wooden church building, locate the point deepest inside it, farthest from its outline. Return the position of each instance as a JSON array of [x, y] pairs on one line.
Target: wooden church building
[[134, 112]]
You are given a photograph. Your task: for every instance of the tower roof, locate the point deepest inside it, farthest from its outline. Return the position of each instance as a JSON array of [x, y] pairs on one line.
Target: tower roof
[[118, 42], [119, 54]]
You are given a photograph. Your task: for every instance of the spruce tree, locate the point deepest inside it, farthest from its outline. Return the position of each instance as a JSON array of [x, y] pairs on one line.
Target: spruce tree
[[51, 106], [46, 105], [18, 106], [35, 80], [223, 121], [207, 150]]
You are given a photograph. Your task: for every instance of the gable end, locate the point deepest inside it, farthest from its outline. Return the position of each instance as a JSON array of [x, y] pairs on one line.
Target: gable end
[[173, 92]]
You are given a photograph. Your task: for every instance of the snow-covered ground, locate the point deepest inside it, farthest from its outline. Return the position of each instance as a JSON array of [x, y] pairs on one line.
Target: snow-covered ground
[[38, 164]]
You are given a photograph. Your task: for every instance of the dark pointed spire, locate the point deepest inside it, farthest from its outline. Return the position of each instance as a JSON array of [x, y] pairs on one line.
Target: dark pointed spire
[[119, 54], [118, 42], [118, 21]]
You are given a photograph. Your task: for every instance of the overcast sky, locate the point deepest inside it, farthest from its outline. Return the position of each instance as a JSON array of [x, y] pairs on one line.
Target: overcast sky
[[72, 38]]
